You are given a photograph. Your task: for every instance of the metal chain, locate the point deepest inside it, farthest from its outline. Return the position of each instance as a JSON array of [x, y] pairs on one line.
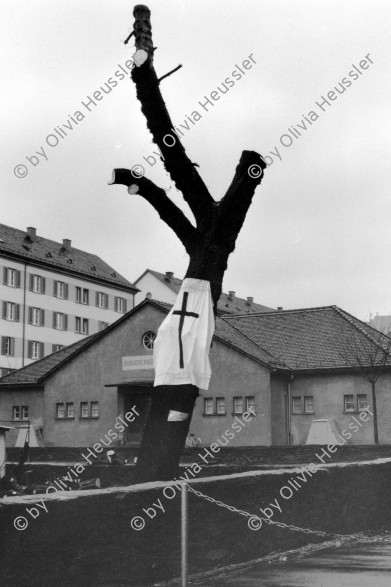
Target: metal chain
[[256, 519]]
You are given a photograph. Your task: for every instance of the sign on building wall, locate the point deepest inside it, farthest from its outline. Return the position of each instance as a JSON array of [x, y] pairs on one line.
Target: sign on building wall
[[137, 362]]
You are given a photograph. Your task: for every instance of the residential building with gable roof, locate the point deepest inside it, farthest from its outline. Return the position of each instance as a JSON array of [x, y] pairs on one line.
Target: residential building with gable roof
[[287, 366], [165, 287], [51, 295]]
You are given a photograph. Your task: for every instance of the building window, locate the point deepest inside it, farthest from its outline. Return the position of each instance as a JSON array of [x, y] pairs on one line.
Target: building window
[[11, 277], [208, 405], [7, 346], [35, 349], [37, 284], [36, 316], [60, 321], [81, 325], [296, 405], [349, 403], [82, 295], [60, 410], [238, 405], [4, 372], [84, 410], [250, 403], [60, 290], [148, 339], [220, 405], [103, 325], [362, 402], [11, 311], [57, 347], [102, 300], [70, 410], [309, 406], [120, 305], [89, 409], [20, 412], [94, 409]]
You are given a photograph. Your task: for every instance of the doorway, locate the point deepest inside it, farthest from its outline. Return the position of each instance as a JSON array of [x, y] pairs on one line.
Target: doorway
[[139, 397]]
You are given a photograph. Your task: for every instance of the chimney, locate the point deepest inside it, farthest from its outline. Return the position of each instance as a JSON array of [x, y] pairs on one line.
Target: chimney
[[279, 308], [66, 244], [231, 295], [31, 233], [249, 301], [148, 296], [169, 275]]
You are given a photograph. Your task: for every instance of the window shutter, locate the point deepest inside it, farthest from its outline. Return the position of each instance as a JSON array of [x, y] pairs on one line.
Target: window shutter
[[30, 349], [54, 320], [18, 279], [116, 304], [5, 275], [55, 288], [12, 350], [43, 285], [96, 299], [4, 309], [30, 316], [125, 306], [65, 321], [42, 317], [3, 343], [41, 350], [17, 312], [66, 291], [31, 280], [106, 301]]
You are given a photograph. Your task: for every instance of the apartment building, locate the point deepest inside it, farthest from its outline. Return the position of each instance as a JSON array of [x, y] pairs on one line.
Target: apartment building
[[52, 295]]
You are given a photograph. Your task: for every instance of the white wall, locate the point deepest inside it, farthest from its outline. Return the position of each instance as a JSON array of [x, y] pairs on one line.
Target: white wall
[[50, 304], [159, 291]]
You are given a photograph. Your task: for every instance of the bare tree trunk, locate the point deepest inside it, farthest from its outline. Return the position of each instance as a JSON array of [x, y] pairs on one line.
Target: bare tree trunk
[[375, 430]]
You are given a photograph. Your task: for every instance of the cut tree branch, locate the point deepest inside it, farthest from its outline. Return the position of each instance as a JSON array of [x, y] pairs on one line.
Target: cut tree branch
[[181, 170], [157, 197], [169, 73]]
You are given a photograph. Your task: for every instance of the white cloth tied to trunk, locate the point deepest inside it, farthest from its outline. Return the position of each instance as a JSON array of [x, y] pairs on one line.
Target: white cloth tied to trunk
[[181, 348]]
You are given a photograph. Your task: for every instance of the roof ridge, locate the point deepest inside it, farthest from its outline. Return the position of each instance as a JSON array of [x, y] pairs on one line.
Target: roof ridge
[[274, 312], [351, 319]]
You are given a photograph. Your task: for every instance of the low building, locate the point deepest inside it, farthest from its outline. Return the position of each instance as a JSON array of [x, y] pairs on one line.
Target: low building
[[287, 366], [52, 294], [165, 287]]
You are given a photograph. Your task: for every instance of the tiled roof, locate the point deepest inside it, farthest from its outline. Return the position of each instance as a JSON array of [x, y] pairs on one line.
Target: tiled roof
[[43, 251], [225, 304], [313, 338]]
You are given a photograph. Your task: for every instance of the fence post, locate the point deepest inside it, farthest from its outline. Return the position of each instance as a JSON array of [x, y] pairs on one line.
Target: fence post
[[184, 534]]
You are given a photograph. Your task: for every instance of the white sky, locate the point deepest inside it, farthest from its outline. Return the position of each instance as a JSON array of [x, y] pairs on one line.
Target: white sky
[[318, 230]]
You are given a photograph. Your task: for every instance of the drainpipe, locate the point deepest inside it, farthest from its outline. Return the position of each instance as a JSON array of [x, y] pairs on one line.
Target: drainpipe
[[24, 313], [289, 413]]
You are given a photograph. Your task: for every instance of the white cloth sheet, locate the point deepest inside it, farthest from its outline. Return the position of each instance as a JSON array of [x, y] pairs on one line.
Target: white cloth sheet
[[181, 348]]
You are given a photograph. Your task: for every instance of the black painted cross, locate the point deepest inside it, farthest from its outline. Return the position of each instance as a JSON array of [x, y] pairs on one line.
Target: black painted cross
[[183, 313]]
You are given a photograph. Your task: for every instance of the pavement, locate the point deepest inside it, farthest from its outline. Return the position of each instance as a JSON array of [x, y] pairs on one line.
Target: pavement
[[349, 565]]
